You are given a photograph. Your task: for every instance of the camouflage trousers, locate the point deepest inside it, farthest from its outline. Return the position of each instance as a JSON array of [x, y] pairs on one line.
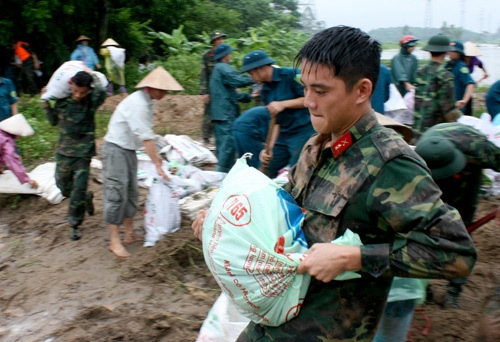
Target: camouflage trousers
[[72, 174], [336, 311], [207, 127]]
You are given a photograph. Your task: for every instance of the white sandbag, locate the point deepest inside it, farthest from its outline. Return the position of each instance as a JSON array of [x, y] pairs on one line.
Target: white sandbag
[[43, 174], [395, 100], [191, 205], [253, 244], [409, 100], [117, 55], [59, 84], [223, 323], [182, 187], [161, 212], [102, 78], [186, 151], [205, 178]]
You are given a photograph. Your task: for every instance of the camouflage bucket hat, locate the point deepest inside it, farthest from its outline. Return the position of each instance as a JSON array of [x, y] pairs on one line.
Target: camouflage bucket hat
[[215, 35], [441, 156], [438, 43]]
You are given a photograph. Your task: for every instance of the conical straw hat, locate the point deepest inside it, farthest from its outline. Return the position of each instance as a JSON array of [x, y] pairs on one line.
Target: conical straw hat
[[110, 42], [82, 37], [160, 78], [471, 49], [17, 125]]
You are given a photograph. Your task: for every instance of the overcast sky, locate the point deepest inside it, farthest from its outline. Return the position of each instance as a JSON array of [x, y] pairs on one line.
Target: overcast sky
[[474, 15]]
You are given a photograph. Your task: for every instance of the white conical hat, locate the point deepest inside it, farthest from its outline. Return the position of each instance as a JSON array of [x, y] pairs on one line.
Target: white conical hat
[[110, 42], [160, 78], [471, 49], [17, 125]]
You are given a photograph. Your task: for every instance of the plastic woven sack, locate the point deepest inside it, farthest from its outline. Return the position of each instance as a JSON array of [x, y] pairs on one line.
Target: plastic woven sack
[[59, 86], [161, 212], [253, 244]]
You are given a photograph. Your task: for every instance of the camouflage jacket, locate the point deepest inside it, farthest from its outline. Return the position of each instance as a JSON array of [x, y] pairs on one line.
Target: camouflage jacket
[[76, 123], [461, 190], [380, 189], [207, 65], [434, 97]]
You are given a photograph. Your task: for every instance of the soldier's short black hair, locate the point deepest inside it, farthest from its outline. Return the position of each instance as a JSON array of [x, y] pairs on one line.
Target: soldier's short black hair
[[437, 54], [350, 53], [82, 79]]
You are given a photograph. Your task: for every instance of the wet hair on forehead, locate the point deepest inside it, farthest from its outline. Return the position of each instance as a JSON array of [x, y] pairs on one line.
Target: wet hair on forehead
[[82, 79], [348, 52]]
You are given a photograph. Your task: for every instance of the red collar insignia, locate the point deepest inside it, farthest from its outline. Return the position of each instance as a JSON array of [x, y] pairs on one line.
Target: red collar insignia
[[342, 144]]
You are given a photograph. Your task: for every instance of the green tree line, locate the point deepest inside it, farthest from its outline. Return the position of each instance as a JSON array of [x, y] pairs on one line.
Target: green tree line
[[51, 26]]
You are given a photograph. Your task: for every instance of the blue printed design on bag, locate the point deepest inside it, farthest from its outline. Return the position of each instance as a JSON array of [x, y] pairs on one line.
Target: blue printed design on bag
[[294, 216]]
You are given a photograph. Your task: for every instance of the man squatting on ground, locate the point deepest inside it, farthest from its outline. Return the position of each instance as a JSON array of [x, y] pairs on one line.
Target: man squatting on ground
[[357, 174]]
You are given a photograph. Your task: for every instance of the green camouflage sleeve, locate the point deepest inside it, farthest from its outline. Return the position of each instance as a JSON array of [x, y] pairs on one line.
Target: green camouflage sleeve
[[51, 114], [430, 238], [446, 96]]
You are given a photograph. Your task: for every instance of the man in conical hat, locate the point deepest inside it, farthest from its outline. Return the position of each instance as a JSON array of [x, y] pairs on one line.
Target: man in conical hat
[[10, 129], [131, 128]]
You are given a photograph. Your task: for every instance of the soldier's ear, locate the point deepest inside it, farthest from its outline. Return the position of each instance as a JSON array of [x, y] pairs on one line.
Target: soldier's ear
[[363, 89]]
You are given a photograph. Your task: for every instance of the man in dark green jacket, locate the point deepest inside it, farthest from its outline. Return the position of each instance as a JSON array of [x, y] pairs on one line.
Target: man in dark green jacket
[[224, 107], [404, 65]]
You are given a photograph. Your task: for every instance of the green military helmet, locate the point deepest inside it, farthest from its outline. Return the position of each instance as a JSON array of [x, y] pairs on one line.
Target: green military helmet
[[441, 155], [438, 43], [215, 35]]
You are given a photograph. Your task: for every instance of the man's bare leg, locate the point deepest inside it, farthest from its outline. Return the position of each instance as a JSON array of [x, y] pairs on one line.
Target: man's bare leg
[[130, 236], [115, 245]]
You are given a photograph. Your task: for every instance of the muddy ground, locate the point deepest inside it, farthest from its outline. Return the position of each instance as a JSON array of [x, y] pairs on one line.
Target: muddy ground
[[53, 289]]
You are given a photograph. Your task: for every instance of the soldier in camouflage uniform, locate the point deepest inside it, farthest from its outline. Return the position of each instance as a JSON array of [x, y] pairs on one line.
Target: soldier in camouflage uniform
[[207, 65], [357, 174], [74, 115], [434, 89], [456, 155]]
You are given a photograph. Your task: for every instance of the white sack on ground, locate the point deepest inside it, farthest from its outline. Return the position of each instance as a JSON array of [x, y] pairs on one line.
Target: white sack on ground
[[44, 176], [183, 149], [223, 323]]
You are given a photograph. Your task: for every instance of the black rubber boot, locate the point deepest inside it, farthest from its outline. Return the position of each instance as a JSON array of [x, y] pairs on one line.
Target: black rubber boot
[[452, 301], [74, 233]]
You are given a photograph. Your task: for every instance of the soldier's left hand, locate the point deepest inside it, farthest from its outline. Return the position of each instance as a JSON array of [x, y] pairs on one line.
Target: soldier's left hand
[[325, 261]]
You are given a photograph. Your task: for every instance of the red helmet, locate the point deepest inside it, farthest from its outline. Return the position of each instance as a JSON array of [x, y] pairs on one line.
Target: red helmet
[[408, 41]]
